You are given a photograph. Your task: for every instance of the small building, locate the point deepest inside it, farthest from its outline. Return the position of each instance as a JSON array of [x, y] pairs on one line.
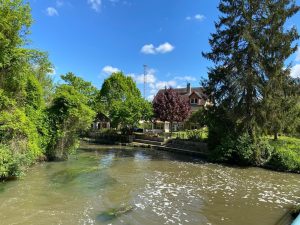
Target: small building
[[101, 122]]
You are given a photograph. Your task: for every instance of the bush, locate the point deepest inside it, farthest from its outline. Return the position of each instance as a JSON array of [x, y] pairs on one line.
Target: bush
[[263, 152], [286, 156], [285, 160], [6, 161], [224, 151], [12, 164], [195, 135], [243, 151]]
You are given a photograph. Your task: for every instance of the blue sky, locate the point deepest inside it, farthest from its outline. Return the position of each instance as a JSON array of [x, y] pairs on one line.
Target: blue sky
[[93, 38]]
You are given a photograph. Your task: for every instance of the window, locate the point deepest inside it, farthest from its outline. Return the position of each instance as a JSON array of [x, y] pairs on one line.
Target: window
[[194, 101]]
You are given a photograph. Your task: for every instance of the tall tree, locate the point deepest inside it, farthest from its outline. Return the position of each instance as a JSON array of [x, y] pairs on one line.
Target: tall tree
[[234, 78], [276, 46], [242, 69], [169, 106]]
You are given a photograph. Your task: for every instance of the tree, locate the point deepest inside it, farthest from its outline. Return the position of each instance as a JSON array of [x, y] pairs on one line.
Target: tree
[[68, 116], [234, 80], [247, 60], [15, 20], [169, 106], [85, 88], [118, 87], [276, 46], [124, 103], [23, 133]]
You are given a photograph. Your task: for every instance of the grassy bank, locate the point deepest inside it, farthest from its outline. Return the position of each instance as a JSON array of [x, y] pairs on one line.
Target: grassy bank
[[286, 155]]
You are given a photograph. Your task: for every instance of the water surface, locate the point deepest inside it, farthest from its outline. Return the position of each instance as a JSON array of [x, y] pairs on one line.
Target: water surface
[[144, 187]]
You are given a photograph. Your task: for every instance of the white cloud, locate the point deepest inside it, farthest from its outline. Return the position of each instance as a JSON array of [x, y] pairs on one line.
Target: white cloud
[[197, 17], [148, 49], [95, 4], [295, 71], [186, 78], [109, 70], [51, 11], [163, 84], [298, 55], [162, 49]]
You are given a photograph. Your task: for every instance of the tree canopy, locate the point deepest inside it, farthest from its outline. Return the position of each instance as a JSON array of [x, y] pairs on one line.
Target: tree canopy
[[168, 105], [251, 89], [124, 103]]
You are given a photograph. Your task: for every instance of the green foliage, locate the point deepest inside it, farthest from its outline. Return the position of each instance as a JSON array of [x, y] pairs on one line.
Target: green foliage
[[68, 115], [123, 101], [199, 117], [224, 152], [118, 87], [286, 155], [88, 91], [129, 112], [6, 161], [243, 151], [249, 85], [31, 128], [196, 135]]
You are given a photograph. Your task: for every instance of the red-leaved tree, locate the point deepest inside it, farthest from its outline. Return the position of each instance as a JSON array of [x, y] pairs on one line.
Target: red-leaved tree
[[169, 106]]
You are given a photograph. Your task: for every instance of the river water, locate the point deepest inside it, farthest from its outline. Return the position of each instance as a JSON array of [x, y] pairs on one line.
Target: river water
[[117, 185]]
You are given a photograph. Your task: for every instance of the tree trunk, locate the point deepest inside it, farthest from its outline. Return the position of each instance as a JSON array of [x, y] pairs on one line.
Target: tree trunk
[[275, 135]]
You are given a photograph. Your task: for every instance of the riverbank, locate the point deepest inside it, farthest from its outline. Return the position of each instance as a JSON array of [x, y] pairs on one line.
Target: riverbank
[[283, 154]]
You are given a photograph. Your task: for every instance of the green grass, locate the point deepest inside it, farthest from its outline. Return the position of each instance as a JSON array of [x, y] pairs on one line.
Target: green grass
[[286, 155], [187, 134]]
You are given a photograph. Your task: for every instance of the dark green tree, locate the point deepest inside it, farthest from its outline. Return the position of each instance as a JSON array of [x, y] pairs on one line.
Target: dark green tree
[[248, 61], [234, 81], [279, 96]]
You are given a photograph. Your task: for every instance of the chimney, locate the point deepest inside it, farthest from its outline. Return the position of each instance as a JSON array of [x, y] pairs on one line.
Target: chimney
[[188, 88]]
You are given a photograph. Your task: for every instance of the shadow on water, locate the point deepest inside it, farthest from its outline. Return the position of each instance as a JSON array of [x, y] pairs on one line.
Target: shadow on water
[[114, 213], [82, 178], [2, 189]]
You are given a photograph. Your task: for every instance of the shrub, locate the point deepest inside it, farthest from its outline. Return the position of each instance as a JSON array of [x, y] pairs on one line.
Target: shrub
[[195, 135], [285, 160], [286, 156], [244, 150], [6, 161], [12, 164], [224, 151], [263, 152]]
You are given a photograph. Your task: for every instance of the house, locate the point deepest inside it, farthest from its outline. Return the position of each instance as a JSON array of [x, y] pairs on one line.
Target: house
[[194, 95], [197, 99], [101, 122]]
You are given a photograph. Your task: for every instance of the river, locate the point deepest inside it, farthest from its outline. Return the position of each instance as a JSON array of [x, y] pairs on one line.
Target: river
[[117, 185]]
